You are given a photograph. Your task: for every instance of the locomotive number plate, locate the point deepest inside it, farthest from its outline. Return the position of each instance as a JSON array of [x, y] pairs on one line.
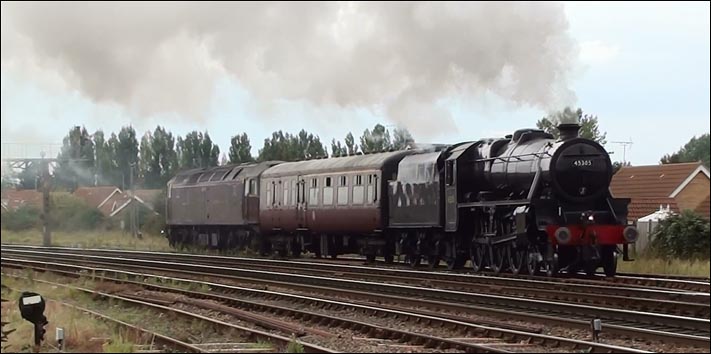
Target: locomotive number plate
[[581, 163]]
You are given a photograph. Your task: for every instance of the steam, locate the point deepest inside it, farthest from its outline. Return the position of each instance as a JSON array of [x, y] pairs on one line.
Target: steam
[[396, 58]]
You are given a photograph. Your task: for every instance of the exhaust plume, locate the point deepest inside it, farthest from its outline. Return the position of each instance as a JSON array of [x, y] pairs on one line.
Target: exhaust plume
[[396, 58]]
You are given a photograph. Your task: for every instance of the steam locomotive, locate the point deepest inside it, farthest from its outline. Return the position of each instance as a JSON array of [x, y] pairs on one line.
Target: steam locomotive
[[526, 203]]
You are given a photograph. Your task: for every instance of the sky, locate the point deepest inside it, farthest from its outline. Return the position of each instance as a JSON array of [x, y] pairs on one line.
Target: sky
[[448, 73]]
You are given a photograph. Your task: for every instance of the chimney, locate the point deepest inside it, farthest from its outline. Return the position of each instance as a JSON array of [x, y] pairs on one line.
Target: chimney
[[568, 130]]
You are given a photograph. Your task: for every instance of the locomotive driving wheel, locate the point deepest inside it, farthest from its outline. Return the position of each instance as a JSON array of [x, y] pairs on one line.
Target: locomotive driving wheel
[[517, 259], [413, 259], [433, 261], [477, 253], [497, 257]]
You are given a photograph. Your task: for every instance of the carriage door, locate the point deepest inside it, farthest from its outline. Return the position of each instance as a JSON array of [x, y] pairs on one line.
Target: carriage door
[[301, 206], [251, 196], [450, 195]]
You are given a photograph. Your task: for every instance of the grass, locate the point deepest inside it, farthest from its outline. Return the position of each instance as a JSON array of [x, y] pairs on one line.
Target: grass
[[294, 346], [650, 265], [89, 239], [112, 338], [79, 329]]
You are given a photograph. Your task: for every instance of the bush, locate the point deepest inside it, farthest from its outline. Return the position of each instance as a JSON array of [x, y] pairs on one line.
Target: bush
[[682, 236], [25, 217], [71, 213]]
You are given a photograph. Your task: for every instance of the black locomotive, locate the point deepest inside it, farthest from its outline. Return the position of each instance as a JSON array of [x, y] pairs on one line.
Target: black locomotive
[[525, 203]]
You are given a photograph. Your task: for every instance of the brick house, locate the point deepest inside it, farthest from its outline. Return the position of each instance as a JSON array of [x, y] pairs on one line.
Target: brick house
[[16, 198], [681, 186], [111, 201]]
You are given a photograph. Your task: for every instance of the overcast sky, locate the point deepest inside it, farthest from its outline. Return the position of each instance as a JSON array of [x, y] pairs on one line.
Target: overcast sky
[[447, 72]]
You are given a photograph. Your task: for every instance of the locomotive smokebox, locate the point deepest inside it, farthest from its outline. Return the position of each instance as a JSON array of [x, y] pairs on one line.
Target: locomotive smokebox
[[568, 130]]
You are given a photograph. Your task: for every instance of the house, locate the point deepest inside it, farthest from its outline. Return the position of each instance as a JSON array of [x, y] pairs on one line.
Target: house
[[679, 186], [98, 197], [15, 198], [111, 201]]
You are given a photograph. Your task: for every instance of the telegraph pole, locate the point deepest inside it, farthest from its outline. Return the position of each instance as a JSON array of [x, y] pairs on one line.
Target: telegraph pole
[[45, 183]]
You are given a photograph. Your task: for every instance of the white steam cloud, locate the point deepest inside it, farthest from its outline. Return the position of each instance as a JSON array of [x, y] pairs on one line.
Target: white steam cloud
[[398, 58]]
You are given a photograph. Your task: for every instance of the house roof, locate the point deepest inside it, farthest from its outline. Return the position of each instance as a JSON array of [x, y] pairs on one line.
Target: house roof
[[113, 203], [96, 196], [640, 207], [704, 209], [659, 181], [147, 196], [15, 198]]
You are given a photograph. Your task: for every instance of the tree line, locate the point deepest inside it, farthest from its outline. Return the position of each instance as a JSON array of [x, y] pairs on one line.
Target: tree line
[[124, 159], [120, 159]]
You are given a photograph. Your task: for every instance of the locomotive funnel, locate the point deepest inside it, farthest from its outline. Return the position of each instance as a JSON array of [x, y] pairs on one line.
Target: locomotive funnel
[[568, 130]]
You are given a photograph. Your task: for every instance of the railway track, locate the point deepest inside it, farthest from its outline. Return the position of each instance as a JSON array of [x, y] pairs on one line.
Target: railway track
[[675, 302], [157, 340], [240, 297], [637, 324], [245, 332]]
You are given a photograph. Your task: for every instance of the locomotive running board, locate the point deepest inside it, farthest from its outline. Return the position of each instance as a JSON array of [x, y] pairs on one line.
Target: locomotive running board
[[495, 203]]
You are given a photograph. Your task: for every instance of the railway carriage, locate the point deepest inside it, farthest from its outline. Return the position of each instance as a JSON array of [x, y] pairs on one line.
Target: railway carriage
[[329, 206]]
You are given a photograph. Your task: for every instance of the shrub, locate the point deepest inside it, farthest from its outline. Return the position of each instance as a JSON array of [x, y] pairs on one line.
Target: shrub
[[71, 213], [25, 217], [682, 236]]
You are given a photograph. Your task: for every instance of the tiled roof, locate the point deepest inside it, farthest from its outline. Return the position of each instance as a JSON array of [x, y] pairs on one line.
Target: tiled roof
[[93, 196], [148, 196], [657, 181], [704, 209], [640, 207], [115, 202], [15, 198]]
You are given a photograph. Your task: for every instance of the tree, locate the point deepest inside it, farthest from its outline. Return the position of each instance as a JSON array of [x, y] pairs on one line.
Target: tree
[[337, 149], [104, 168], [145, 158], [697, 149], [351, 146], [402, 139], [197, 150], [158, 158], [377, 141], [288, 147], [76, 159], [126, 155], [115, 175], [589, 128], [240, 149]]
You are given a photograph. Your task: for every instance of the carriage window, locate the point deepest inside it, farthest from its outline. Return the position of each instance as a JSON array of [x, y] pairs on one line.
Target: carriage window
[[286, 192], [252, 187], [342, 181], [273, 193], [313, 192], [358, 190], [328, 181]]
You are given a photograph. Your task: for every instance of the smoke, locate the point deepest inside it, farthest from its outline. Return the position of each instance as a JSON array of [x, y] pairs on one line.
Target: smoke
[[396, 58]]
